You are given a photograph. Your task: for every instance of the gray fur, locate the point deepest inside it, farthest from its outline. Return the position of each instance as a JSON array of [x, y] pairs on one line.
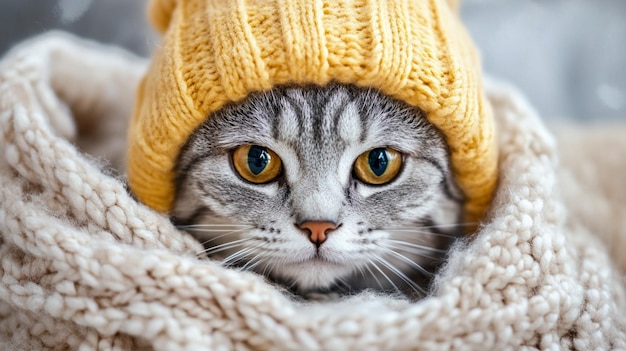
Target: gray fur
[[391, 236]]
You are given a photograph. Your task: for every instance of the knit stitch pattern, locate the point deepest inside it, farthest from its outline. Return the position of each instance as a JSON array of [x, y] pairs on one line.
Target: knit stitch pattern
[[215, 52], [85, 266]]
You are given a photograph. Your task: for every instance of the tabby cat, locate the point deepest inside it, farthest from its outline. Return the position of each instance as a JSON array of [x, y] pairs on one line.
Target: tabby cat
[[321, 189]]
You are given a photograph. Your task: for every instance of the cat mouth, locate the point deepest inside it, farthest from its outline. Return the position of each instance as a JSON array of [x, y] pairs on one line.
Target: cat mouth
[[319, 259], [315, 260]]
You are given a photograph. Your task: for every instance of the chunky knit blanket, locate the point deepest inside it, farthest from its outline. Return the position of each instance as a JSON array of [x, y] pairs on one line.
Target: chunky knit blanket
[[84, 266]]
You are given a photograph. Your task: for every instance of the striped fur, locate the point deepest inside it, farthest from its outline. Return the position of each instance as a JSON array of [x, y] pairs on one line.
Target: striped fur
[[391, 236]]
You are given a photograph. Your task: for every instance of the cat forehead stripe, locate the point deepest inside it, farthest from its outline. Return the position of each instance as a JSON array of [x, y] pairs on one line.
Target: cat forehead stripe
[[289, 125], [349, 125]]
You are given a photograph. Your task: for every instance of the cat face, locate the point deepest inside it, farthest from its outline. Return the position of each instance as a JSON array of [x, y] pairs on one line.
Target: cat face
[[320, 188]]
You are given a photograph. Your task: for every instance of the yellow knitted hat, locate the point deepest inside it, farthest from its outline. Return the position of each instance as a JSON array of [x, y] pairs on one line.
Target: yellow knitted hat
[[217, 51]]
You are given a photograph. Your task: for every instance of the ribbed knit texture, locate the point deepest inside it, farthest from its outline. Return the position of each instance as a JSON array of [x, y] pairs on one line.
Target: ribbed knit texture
[[217, 51]]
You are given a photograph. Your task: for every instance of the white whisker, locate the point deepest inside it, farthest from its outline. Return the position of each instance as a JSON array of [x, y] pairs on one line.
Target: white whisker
[[395, 287], [270, 265], [418, 289], [415, 246], [374, 275], [293, 284], [248, 266], [343, 284], [203, 225], [360, 269], [202, 230], [237, 256], [223, 235], [253, 266], [416, 231], [450, 225], [416, 252], [410, 262], [226, 246]]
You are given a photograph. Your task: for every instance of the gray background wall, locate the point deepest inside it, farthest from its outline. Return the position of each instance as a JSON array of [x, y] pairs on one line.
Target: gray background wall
[[568, 56]]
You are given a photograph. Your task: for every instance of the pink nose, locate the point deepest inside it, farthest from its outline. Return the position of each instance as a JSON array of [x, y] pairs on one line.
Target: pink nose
[[317, 230]]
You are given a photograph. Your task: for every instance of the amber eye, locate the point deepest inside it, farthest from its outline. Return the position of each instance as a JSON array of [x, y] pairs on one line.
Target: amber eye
[[378, 166], [256, 164]]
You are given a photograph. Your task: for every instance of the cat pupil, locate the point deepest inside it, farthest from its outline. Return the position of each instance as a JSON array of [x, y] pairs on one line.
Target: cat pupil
[[378, 161], [258, 158]]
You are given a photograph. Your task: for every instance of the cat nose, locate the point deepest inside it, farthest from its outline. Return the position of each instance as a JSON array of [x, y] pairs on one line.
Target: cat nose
[[317, 230]]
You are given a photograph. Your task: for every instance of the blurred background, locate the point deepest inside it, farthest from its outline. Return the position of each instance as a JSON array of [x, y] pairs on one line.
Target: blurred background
[[568, 56]]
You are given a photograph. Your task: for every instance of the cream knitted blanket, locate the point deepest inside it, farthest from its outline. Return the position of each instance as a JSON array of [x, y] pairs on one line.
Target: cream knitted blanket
[[84, 266]]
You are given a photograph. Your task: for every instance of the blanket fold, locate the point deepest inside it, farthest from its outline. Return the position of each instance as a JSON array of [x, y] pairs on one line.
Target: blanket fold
[[85, 266]]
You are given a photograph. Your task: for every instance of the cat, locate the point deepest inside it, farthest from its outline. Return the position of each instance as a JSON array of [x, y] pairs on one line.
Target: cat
[[332, 189]]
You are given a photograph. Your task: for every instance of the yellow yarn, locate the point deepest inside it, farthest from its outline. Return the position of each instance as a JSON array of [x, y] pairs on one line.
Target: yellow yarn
[[217, 51]]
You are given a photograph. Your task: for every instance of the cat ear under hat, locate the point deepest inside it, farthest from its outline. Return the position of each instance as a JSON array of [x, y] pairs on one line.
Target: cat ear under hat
[[160, 13]]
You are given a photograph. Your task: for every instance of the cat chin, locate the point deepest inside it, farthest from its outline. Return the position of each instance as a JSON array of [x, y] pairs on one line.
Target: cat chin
[[314, 274]]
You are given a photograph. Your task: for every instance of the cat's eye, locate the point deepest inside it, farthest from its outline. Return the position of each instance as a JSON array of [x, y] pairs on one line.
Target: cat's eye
[[378, 166], [256, 164]]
